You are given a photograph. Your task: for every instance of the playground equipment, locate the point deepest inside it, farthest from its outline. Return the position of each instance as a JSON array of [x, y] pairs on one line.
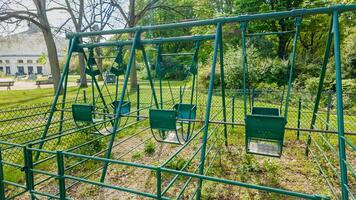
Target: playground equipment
[[165, 120], [58, 128], [265, 127]]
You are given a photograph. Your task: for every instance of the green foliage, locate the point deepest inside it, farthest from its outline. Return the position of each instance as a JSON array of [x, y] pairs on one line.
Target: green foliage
[[150, 148], [137, 155], [204, 77], [177, 164], [272, 169]]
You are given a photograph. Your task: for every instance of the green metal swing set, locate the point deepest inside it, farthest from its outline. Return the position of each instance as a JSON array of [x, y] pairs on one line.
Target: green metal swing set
[[262, 124]]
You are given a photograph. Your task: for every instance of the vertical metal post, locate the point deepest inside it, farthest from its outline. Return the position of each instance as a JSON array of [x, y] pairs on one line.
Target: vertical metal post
[[135, 44], [2, 185], [328, 110], [253, 98], [233, 110], [30, 185], [208, 107], [299, 115], [61, 179], [298, 22], [339, 107], [222, 77], [244, 65], [62, 108], [85, 96], [180, 94], [321, 83], [58, 92], [159, 183], [138, 102]]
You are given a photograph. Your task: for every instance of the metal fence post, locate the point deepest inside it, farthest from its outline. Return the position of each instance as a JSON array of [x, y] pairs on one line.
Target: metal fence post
[[2, 185], [61, 180], [28, 159], [138, 102], [233, 110], [299, 116], [84, 96], [159, 183]]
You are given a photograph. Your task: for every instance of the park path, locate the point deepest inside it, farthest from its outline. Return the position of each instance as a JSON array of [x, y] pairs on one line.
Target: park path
[[28, 85]]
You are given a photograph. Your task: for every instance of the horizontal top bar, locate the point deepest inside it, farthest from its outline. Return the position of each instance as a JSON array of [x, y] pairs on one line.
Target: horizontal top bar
[[240, 18], [149, 41]]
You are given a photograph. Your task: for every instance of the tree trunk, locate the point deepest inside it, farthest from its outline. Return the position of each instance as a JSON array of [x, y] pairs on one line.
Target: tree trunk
[[83, 78], [133, 73], [52, 57], [132, 23], [99, 62]]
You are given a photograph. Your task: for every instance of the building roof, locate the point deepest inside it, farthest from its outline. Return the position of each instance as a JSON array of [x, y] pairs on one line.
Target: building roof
[[29, 42]]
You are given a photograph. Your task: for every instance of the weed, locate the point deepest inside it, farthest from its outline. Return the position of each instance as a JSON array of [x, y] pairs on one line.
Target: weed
[[150, 148]]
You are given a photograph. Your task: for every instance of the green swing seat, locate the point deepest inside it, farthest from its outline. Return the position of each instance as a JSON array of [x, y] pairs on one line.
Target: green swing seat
[[125, 107], [265, 129], [84, 113], [185, 111]]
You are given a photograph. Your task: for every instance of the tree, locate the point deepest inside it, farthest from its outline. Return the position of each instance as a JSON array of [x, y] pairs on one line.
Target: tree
[[14, 12]]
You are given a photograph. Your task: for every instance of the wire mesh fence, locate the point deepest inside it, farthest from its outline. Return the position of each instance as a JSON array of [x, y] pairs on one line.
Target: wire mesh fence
[[25, 126]]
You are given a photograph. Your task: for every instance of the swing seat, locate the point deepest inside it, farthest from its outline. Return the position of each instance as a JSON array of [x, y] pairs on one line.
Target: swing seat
[[125, 108], [84, 113], [265, 132], [163, 120], [185, 111], [163, 126], [266, 111]]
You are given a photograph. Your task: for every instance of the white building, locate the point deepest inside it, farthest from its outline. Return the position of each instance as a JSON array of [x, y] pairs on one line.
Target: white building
[[20, 53]]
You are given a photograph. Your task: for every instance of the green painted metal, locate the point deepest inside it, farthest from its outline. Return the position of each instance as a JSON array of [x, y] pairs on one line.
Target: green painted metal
[[243, 27], [145, 59], [208, 106], [265, 111], [2, 185], [118, 110], [58, 92], [298, 22], [60, 177], [63, 106], [299, 116], [125, 108], [83, 112], [233, 110], [222, 78], [321, 82], [339, 107], [155, 41], [222, 20], [138, 102], [163, 120], [28, 159]]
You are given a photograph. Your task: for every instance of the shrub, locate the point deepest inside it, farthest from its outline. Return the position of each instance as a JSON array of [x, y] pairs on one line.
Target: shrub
[[177, 163], [204, 77]]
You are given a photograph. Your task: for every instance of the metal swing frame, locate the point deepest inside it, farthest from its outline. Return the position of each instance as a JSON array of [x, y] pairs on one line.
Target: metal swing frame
[[265, 126], [179, 112], [75, 46]]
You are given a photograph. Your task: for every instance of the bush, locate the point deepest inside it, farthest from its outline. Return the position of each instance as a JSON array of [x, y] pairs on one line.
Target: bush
[[204, 77], [177, 163]]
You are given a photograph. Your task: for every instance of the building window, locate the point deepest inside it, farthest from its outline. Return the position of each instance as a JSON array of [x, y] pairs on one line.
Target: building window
[[7, 61], [8, 70], [20, 70], [19, 61], [1, 69], [30, 70], [29, 61], [39, 70]]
